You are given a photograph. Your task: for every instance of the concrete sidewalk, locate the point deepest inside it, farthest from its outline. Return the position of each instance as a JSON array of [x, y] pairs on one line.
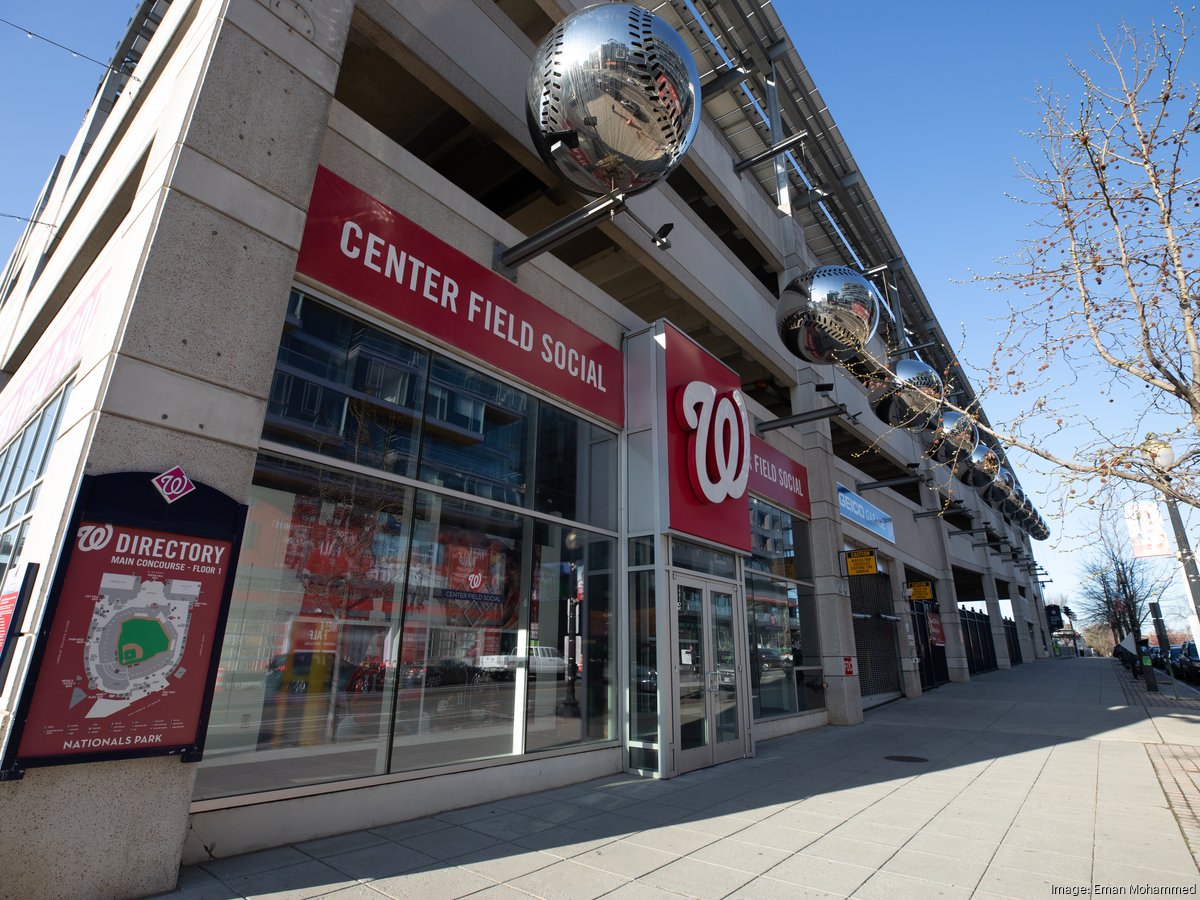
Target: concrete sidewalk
[[1047, 776]]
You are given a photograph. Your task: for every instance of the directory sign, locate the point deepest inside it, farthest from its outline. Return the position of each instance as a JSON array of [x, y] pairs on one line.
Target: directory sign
[[126, 655]]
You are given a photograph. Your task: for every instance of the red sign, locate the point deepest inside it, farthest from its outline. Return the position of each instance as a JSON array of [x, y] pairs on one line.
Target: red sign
[[356, 245], [778, 478], [173, 484], [708, 445], [39, 375], [937, 636], [127, 656], [8, 603], [848, 665]]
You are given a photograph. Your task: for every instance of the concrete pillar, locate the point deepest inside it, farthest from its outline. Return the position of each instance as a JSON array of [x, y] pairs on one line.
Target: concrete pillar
[[956, 647], [910, 672], [177, 370], [1041, 633], [996, 621], [843, 694], [1023, 616]]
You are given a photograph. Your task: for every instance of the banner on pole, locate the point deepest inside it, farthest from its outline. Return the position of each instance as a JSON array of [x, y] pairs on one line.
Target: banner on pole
[[1147, 537]]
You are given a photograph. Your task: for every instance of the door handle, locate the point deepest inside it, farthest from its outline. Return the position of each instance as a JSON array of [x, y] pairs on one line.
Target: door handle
[[714, 683]]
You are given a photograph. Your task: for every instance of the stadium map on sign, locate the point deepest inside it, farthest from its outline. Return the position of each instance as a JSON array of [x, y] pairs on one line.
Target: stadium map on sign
[[135, 641]]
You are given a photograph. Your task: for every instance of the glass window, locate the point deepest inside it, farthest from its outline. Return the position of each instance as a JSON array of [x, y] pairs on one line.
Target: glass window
[[477, 433], [570, 695], [698, 558], [643, 658], [641, 551], [576, 469], [775, 535], [462, 614], [379, 628], [781, 613], [308, 661], [346, 389], [22, 465], [349, 390]]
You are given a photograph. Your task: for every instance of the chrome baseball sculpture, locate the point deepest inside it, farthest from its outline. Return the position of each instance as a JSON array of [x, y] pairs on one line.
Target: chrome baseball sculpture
[[613, 99], [911, 397], [955, 438], [827, 314]]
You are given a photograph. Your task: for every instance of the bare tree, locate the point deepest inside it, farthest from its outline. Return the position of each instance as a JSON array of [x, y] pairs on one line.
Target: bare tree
[[1116, 589], [1109, 282], [1099, 638]]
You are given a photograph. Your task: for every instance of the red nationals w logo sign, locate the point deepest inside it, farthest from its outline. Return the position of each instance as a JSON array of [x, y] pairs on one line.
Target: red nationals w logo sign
[[718, 443], [709, 458]]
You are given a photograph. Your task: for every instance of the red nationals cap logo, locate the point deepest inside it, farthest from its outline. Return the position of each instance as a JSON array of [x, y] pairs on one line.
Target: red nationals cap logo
[[718, 440], [173, 484]]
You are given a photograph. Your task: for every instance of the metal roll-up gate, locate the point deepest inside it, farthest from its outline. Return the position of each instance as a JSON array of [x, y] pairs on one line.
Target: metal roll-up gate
[[876, 635]]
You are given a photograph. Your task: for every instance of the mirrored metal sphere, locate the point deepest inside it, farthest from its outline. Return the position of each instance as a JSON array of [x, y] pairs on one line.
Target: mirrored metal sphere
[[613, 99], [955, 438], [980, 470], [1024, 516], [1040, 531], [1000, 491], [827, 314], [1011, 505], [912, 399]]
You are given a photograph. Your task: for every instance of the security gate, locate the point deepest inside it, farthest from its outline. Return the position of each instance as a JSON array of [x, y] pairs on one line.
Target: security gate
[[1014, 645], [931, 644], [876, 635], [977, 637]]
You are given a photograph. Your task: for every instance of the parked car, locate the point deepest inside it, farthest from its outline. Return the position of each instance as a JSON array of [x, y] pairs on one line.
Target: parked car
[[443, 671], [542, 660], [1188, 666], [767, 658], [1172, 657], [1156, 659]]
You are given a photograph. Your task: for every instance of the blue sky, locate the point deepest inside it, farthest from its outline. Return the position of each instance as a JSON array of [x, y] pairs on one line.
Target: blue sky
[[931, 97]]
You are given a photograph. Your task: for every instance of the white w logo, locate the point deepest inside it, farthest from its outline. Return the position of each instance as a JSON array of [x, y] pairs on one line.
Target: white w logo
[[94, 537], [719, 444]]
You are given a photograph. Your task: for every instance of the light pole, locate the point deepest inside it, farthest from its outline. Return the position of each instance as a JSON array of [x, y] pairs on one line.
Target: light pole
[[1161, 456]]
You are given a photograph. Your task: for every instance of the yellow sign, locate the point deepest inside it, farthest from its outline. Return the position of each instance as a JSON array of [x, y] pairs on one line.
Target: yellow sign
[[861, 562], [921, 590]]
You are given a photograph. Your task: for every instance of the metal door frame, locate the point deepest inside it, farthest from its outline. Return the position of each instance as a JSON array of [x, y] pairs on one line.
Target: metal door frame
[[712, 753]]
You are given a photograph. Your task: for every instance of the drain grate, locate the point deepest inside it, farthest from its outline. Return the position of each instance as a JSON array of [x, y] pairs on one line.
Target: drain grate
[[907, 758]]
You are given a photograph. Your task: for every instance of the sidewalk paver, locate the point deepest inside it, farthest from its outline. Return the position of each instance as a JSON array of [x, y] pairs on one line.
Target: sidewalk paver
[[1047, 779]]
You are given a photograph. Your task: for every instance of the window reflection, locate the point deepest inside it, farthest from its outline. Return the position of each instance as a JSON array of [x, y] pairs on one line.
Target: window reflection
[[569, 663], [576, 469], [346, 389], [462, 612], [785, 658], [477, 434], [307, 664], [377, 627]]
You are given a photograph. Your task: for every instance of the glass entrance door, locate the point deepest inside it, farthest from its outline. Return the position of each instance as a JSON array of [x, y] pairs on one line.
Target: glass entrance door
[[709, 674]]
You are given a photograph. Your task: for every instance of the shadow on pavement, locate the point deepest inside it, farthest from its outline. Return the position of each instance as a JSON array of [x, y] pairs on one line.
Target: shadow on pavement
[[1030, 778]]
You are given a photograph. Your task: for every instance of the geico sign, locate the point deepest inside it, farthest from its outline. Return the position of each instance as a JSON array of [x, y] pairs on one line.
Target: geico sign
[[718, 441]]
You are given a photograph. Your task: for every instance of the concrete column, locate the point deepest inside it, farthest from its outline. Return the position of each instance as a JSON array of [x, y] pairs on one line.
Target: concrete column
[[1041, 633], [1023, 616], [996, 620], [910, 672], [178, 368], [956, 646], [843, 694]]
